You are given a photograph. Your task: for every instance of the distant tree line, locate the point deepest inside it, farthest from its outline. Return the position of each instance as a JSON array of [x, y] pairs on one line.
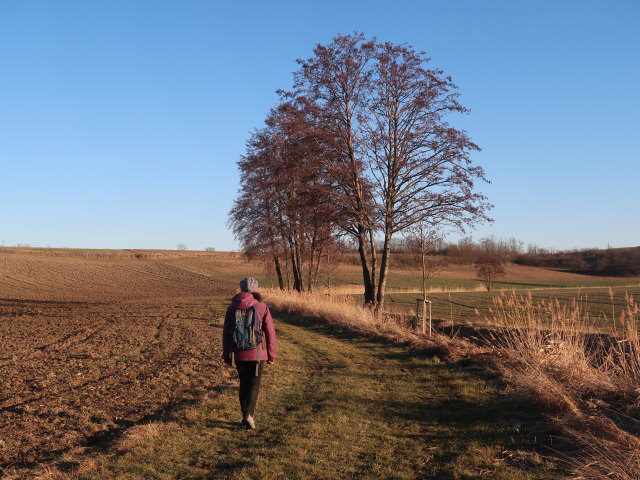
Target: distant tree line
[[465, 251], [358, 151], [616, 262]]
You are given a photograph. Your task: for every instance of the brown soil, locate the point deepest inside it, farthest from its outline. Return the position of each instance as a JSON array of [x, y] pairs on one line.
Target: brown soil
[[35, 277], [91, 347]]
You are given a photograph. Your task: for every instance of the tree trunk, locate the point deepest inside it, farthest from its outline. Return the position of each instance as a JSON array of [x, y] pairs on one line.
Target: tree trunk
[[316, 269], [276, 261], [298, 283], [300, 266], [286, 267], [311, 265], [369, 288], [374, 261], [384, 269], [424, 270], [317, 272]]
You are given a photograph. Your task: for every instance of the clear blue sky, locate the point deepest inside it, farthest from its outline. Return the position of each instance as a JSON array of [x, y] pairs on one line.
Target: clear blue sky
[[121, 121]]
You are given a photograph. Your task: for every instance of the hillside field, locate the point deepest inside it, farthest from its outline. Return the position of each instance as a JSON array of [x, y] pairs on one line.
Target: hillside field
[[96, 343]]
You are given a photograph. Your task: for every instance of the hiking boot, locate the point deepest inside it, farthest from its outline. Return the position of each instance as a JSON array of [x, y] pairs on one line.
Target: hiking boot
[[249, 422]]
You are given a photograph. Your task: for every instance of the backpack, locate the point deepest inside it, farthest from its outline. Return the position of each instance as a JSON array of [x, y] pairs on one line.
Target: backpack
[[246, 332]]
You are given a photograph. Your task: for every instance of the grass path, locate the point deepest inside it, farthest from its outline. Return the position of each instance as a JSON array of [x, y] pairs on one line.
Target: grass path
[[338, 406]]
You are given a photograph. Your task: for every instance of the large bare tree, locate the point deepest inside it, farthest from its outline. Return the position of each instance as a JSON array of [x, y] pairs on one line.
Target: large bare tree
[[421, 165], [386, 111], [370, 120], [337, 81]]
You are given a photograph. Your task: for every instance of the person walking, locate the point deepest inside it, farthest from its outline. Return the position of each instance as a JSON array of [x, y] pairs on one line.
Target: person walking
[[248, 342]]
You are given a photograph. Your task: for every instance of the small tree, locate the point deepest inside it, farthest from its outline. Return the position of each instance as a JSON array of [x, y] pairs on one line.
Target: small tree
[[422, 243], [209, 249], [488, 268], [181, 247], [330, 260]]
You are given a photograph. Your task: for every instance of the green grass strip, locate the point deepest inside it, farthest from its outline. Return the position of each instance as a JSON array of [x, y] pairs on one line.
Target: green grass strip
[[339, 406]]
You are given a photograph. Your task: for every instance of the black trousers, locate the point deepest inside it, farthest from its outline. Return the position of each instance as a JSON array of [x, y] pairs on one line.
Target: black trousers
[[249, 385]]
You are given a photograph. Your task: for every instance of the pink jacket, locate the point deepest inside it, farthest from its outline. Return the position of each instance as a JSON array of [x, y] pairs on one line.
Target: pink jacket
[[245, 300]]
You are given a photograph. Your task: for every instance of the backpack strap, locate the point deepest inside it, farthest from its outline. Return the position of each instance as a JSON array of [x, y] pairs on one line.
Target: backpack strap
[[232, 353], [256, 319]]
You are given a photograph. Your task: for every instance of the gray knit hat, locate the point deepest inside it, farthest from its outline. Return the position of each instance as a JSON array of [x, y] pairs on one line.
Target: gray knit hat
[[248, 285]]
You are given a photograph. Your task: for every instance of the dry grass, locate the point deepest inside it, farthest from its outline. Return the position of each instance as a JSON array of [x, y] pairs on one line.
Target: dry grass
[[142, 434], [346, 312], [359, 290], [552, 347], [551, 353], [608, 451]]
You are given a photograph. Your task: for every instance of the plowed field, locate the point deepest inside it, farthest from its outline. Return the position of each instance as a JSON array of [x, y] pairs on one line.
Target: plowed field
[[91, 347], [49, 278]]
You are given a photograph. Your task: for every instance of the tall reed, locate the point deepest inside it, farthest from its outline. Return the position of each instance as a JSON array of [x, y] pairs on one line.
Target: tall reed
[[557, 356]]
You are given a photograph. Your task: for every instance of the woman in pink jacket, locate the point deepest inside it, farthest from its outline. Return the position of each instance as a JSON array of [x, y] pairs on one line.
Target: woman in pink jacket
[[249, 362]]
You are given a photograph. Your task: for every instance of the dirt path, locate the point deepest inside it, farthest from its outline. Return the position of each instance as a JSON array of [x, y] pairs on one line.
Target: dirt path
[[339, 406]]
